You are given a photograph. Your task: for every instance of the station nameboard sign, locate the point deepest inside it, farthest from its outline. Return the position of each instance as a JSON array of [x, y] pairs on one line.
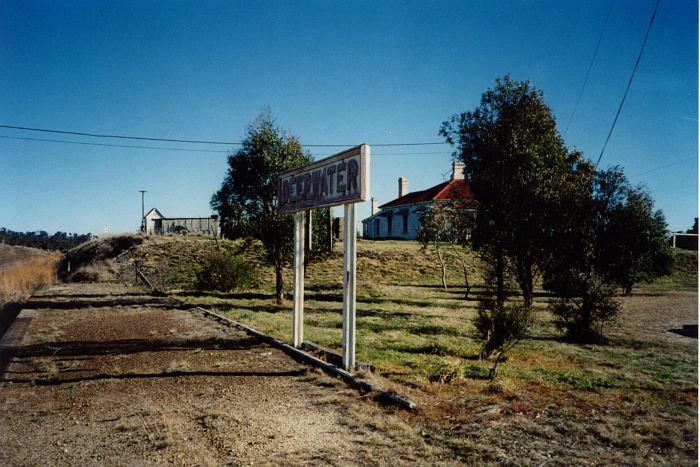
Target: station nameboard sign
[[339, 179]]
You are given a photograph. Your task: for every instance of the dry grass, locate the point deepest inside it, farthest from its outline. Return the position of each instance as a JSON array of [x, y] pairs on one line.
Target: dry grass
[[23, 278], [157, 427], [98, 271], [178, 366]]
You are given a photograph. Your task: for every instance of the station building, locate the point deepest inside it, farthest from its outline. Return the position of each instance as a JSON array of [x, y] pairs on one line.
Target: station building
[[401, 218]]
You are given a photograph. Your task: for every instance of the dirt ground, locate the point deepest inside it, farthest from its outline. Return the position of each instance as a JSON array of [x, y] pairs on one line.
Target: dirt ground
[[100, 374]]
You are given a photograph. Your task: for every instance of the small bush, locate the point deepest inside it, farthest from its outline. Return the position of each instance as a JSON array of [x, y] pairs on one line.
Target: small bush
[[225, 272], [501, 326], [97, 271], [582, 318], [446, 372]]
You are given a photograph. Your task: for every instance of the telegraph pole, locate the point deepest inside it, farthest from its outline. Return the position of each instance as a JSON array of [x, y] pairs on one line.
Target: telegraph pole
[[143, 214]]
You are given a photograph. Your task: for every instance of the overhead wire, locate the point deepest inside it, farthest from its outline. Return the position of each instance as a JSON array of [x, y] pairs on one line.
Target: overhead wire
[[195, 141], [629, 83], [236, 143], [661, 167], [646, 36], [219, 151], [590, 67], [110, 144], [162, 148]]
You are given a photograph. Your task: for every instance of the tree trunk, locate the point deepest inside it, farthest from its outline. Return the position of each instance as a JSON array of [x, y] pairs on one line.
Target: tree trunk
[[629, 280], [443, 266], [458, 254], [500, 277], [492, 371], [524, 268], [466, 281], [465, 271], [279, 284], [329, 231], [586, 331], [628, 288], [527, 287]]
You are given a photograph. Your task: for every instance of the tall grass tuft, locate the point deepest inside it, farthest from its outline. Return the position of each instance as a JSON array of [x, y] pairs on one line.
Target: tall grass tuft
[[23, 278]]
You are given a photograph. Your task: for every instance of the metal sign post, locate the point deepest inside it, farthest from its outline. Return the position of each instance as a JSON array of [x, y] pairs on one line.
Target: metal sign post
[[298, 310], [349, 288], [339, 179]]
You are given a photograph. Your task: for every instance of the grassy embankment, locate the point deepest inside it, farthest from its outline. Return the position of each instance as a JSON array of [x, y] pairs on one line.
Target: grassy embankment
[[421, 341]]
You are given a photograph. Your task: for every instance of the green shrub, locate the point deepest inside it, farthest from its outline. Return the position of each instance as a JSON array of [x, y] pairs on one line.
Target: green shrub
[[445, 372], [583, 316], [500, 326], [225, 272]]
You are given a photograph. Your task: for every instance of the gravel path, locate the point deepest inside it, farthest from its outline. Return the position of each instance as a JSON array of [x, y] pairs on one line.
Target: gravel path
[[103, 374]]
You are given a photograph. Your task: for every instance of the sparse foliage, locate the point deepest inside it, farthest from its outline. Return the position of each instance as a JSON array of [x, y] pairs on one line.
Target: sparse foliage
[[434, 233], [446, 229], [247, 199]]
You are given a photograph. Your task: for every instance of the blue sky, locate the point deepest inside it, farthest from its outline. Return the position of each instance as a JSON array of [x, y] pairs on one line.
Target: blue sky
[[332, 73]]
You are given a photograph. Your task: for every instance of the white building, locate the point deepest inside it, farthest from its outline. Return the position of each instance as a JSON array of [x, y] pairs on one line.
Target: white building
[[151, 217], [401, 218]]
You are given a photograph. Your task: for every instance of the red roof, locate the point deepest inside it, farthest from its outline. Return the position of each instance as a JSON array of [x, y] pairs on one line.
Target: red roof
[[451, 190]]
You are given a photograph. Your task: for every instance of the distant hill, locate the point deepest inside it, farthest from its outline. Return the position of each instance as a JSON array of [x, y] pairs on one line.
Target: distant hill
[[60, 241]]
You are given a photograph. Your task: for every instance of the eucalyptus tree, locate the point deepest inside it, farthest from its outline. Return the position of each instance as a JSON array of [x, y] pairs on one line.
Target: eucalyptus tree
[[247, 199], [517, 165]]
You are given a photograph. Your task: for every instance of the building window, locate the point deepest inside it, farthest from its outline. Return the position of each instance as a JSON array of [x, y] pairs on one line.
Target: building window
[[405, 223], [389, 229], [376, 227]]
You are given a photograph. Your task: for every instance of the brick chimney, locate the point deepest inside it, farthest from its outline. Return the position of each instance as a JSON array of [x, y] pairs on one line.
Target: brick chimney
[[403, 186], [375, 205], [458, 170]]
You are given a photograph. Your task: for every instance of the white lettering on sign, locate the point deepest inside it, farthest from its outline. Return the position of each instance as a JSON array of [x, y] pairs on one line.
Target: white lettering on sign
[[339, 179]]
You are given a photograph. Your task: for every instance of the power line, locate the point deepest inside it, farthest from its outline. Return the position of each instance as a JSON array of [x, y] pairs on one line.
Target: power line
[[98, 135], [634, 70], [162, 148], [195, 141], [432, 143], [421, 153], [679, 161], [109, 145], [590, 67]]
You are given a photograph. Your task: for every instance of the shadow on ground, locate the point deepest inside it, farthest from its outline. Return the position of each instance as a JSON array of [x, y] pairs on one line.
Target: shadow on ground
[[687, 330]]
